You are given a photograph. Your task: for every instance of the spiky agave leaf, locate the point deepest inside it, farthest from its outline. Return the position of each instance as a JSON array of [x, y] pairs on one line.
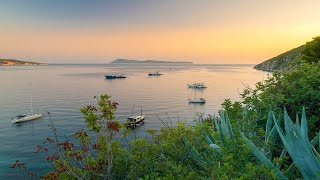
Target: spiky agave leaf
[[216, 124], [219, 130], [223, 124], [273, 131], [209, 138], [193, 151], [297, 121], [316, 153], [316, 140], [211, 141], [268, 126], [304, 126], [263, 159], [229, 127], [298, 148]]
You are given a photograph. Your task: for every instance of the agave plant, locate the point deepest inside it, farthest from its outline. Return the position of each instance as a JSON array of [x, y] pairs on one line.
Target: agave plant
[[296, 142], [223, 128]]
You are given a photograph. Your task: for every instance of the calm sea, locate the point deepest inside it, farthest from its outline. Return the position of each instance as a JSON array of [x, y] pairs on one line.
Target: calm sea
[[64, 89]]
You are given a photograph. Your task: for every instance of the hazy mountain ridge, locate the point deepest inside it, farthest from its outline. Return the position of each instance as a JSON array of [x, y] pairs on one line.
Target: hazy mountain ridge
[[281, 61], [14, 62], [145, 61]]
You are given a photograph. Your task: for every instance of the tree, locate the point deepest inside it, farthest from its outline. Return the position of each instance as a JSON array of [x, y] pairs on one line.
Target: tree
[[311, 51]]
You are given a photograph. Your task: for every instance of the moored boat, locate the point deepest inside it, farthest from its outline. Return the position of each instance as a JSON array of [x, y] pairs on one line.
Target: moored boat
[[26, 117], [29, 116], [197, 85], [155, 73], [134, 121], [112, 76]]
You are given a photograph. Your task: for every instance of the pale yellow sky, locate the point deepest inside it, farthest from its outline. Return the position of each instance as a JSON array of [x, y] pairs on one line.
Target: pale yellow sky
[[251, 37]]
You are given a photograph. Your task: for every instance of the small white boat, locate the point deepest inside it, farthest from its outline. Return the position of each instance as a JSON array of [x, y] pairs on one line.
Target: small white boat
[[197, 85], [26, 117], [134, 121]]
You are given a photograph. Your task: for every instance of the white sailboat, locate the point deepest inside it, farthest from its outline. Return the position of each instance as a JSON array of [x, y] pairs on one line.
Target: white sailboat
[[195, 99], [134, 121], [27, 117]]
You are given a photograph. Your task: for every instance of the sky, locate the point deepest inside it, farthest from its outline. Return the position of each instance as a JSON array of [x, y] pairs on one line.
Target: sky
[[201, 31]]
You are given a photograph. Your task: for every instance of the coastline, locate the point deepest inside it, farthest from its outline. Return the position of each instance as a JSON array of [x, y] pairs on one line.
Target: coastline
[[13, 62]]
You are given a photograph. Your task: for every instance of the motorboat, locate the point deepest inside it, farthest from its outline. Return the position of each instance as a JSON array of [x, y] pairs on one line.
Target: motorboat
[[155, 73], [197, 85], [112, 76]]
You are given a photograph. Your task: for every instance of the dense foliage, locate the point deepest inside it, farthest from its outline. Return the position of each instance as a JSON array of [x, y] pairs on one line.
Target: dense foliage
[[214, 149], [291, 89], [297, 86], [311, 51]]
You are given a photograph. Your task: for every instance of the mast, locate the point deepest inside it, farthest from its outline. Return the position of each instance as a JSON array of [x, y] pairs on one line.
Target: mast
[[31, 108], [132, 110], [31, 104]]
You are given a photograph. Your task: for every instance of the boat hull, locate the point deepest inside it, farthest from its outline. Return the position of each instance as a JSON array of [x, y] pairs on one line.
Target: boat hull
[[116, 77], [135, 121], [200, 101], [28, 117], [197, 86], [154, 74]]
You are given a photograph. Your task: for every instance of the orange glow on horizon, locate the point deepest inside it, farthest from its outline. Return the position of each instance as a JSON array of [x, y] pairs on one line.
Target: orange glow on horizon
[[201, 45]]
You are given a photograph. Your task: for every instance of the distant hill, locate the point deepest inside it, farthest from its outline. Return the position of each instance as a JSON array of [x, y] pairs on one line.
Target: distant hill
[[13, 62], [281, 61], [119, 61]]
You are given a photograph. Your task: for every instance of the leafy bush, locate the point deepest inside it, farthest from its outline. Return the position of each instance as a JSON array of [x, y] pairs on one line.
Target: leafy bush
[[311, 52], [291, 89]]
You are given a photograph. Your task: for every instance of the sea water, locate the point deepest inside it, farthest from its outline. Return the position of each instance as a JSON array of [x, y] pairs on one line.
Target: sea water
[[63, 89]]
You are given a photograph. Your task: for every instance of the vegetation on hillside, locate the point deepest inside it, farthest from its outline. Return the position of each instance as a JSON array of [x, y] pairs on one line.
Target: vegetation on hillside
[[11, 62], [310, 52], [281, 61]]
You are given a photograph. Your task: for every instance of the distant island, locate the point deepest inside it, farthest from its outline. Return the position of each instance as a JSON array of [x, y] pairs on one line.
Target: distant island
[[120, 61], [13, 62]]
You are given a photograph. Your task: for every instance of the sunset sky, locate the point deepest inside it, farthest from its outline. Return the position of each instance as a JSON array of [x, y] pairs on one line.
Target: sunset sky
[[202, 31]]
